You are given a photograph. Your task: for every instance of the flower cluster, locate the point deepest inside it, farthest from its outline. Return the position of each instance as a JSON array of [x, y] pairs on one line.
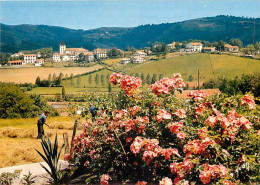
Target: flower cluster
[[198, 146], [115, 78], [249, 101], [129, 83], [197, 95], [180, 113], [165, 181], [104, 179], [181, 168], [169, 140], [162, 115], [230, 124], [134, 110], [212, 172], [168, 85]]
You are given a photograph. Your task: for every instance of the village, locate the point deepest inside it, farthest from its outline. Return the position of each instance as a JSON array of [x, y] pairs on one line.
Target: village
[[66, 54]]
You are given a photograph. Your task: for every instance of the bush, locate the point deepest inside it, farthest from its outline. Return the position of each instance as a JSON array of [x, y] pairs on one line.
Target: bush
[[149, 137]]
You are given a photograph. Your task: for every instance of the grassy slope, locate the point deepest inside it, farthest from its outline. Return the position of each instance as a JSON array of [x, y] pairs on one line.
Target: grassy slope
[[223, 65]]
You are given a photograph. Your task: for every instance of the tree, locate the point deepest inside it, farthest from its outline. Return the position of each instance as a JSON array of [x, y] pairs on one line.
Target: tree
[[143, 78], [137, 75], [148, 79], [221, 45], [108, 76], [109, 87], [257, 46], [14, 103], [97, 79], [103, 80], [154, 78], [38, 81], [90, 79], [63, 92], [236, 42], [251, 48], [114, 53]]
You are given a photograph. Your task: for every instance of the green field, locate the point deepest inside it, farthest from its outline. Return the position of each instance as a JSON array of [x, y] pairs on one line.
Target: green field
[[210, 66]]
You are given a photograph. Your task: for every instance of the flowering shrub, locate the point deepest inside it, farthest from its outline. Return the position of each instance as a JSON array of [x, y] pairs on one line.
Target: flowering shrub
[[151, 138]]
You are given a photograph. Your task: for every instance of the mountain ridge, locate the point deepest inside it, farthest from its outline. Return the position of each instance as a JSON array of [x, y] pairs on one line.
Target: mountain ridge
[[28, 37]]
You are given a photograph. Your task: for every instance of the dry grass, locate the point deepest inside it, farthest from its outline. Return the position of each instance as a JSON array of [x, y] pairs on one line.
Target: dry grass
[[29, 75], [18, 138]]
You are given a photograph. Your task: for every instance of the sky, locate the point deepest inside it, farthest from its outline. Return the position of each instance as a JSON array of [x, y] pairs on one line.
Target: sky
[[119, 13]]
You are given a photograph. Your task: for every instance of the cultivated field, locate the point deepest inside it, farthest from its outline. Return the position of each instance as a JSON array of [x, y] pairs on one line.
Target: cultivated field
[[29, 75], [18, 138]]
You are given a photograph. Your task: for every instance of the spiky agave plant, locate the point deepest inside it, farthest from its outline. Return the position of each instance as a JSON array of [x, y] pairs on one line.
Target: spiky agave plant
[[51, 158]]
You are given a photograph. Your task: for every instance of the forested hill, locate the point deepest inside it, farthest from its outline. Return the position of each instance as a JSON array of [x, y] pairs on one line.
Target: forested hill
[[27, 37]]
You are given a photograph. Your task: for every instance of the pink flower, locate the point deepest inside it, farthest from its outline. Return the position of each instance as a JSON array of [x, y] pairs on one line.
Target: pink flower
[[202, 133], [227, 182], [151, 144], [148, 156], [165, 181], [175, 127], [115, 78], [137, 145], [211, 121], [169, 152], [168, 85], [134, 110], [141, 183], [212, 172], [104, 179], [181, 135], [249, 101], [162, 115], [180, 113], [197, 95]]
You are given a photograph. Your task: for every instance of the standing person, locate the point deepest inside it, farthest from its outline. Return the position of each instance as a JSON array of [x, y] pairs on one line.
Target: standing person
[[93, 112], [40, 123]]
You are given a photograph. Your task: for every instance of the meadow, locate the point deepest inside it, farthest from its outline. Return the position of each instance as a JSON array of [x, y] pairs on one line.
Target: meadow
[[18, 138], [29, 75]]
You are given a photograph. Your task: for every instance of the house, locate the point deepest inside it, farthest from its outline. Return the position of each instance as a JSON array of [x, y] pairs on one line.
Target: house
[[73, 53], [186, 50], [65, 57], [209, 49], [196, 46], [125, 61], [172, 45], [56, 57], [137, 59], [89, 56], [15, 55], [39, 62], [231, 48], [15, 63], [29, 58], [100, 53], [62, 47], [140, 54]]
